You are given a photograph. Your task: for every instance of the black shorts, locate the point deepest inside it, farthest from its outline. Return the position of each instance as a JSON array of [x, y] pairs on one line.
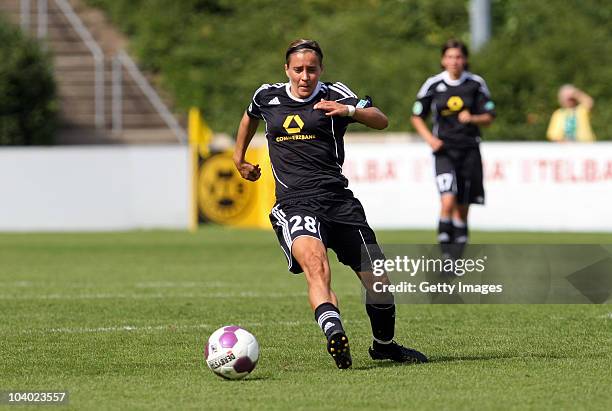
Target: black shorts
[[459, 171], [338, 221]]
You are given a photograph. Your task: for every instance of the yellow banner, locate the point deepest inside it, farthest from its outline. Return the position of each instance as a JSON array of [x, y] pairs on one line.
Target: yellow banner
[[220, 194]]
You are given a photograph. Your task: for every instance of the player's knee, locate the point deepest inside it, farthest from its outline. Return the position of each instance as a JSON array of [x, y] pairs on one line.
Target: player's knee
[[316, 263], [310, 254], [316, 267]]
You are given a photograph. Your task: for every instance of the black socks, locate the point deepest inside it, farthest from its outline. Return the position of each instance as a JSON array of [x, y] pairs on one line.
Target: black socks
[[445, 236], [382, 319], [327, 316], [452, 236]]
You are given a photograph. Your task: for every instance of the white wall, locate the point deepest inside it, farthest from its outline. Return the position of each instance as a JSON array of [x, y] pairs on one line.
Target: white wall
[[94, 188], [529, 186]]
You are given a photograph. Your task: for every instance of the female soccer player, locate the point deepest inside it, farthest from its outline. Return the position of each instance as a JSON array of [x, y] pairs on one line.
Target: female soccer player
[[305, 124], [460, 102]]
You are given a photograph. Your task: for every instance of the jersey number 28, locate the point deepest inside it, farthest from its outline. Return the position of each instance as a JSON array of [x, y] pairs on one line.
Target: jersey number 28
[[310, 224]]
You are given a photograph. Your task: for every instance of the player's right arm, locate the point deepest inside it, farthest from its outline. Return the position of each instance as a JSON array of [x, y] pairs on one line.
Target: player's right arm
[[421, 128], [246, 131], [420, 110]]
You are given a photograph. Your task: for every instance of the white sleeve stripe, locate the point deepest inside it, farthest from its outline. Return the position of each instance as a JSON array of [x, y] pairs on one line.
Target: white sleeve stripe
[[428, 83], [337, 90], [345, 88], [263, 87], [483, 84]]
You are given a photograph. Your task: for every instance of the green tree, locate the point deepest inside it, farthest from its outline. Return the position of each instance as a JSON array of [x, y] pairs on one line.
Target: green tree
[[214, 53], [28, 107]]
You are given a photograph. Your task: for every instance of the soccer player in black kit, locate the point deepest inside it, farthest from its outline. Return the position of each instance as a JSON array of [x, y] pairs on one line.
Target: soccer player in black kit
[[460, 102], [305, 124]]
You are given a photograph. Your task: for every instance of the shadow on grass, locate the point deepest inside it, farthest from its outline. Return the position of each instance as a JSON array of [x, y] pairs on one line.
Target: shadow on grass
[[247, 379], [384, 364], [495, 356], [257, 378], [460, 358]]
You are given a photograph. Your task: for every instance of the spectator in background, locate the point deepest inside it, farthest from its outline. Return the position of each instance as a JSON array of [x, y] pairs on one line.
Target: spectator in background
[[572, 121]]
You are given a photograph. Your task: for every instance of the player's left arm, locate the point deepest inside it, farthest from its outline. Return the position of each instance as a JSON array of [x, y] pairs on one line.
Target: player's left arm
[[371, 116], [483, 112], [479, 119]]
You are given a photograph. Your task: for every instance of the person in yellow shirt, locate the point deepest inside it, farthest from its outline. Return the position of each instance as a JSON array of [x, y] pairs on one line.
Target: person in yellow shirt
[[572, 121]]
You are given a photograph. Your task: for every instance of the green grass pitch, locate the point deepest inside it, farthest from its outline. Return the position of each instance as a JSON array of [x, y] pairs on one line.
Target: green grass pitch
[[120, 320]]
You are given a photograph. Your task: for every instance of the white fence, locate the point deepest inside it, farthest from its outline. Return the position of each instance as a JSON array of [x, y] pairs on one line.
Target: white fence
[[94, 188], [529, 186]]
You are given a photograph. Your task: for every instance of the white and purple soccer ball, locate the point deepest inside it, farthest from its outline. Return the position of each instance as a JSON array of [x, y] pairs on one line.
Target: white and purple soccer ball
[[231, 352]]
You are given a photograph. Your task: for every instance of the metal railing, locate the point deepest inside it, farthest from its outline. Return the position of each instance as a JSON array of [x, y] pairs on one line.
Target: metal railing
[[120, 61], [117, 96], [24, 9], [42, 19], [123, 60], [83, 33], [96, 52]]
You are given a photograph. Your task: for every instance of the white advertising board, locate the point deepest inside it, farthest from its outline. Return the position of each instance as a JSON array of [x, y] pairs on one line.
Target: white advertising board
[[529, 186], [94, 188]]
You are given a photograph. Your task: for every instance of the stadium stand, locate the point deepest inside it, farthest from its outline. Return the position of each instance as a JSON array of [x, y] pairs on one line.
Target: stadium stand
[[74, 69]]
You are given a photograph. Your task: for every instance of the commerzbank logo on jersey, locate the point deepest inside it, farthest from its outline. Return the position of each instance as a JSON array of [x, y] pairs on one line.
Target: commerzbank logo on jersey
[[291, 121], [293, 125]]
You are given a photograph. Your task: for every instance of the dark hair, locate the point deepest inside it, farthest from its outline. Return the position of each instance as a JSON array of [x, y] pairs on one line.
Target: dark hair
[[304, 44], [456, 44]]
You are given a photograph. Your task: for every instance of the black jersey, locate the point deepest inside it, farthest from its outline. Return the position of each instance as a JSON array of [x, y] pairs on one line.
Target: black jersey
[[306, 146], [446, 98]]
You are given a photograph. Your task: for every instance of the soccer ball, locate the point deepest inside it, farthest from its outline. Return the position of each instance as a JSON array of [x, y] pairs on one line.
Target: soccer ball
[[231, 352]]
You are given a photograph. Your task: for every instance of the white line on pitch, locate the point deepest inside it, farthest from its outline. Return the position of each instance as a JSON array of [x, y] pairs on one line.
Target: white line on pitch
[[182, 284], [143, 284], [241, 294], [170, 327], [20, 284]]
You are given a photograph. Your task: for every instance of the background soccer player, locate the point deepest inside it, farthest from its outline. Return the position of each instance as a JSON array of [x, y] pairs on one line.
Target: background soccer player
[[305, 124], [460, 102]]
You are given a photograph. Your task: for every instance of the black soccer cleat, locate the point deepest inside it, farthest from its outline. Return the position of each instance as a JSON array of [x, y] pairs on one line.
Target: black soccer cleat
[[396, 352], [338, 348]]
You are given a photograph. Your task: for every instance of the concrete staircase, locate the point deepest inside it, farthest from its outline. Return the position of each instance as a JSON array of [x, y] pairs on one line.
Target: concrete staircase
[[74, 68]]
